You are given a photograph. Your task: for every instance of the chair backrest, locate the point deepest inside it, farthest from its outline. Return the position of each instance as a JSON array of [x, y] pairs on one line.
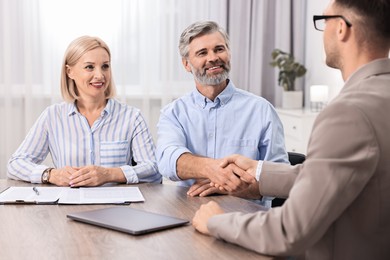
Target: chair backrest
[[294, 158]]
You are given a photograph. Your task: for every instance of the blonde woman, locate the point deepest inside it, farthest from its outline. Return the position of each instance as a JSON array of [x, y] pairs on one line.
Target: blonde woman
[[92, 138]]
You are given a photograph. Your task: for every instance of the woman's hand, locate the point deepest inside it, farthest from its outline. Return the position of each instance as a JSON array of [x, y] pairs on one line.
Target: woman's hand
[[61, 177], [95, 176]]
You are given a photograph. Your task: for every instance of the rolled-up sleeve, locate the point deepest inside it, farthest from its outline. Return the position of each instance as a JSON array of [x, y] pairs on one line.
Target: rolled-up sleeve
[[170, 146]]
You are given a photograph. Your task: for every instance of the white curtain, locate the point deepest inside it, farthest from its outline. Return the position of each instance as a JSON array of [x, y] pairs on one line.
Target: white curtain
[[143, 37], [256, 28]]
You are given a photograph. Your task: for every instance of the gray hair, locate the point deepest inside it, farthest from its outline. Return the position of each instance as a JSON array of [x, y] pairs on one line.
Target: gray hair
[[198, 29]]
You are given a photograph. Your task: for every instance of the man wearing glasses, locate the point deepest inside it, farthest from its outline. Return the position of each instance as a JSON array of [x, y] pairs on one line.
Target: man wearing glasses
[[338, 199]]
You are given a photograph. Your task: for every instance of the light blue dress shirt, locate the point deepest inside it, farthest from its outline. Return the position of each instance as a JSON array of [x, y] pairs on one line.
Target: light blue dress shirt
[[117, 138], [236, 122]]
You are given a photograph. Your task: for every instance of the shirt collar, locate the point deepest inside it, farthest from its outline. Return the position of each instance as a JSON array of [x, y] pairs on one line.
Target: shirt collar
[[72, 108], [223, 98]]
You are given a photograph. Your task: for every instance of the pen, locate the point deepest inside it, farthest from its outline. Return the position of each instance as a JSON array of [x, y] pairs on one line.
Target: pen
[[36, 190]]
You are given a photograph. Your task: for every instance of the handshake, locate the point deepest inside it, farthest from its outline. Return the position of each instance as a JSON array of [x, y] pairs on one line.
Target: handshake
[[233, 175]]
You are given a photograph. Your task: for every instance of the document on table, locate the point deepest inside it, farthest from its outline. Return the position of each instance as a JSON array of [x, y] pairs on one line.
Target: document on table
[[101, 195], [65, 195], [45, 195]]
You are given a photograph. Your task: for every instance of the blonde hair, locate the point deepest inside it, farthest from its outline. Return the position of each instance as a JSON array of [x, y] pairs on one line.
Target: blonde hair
[[73, 53]]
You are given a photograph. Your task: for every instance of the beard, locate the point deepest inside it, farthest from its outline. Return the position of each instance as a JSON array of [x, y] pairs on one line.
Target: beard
[[201, 76]]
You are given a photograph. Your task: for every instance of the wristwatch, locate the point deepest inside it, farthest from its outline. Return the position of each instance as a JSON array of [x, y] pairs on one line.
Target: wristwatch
[[46, 175]]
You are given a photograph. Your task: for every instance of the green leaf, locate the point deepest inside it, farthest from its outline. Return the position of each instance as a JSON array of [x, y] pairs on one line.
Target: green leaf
[[289, 69]]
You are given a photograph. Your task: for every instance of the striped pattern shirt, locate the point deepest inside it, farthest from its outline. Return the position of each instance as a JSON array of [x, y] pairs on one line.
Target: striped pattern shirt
[[118, 138]]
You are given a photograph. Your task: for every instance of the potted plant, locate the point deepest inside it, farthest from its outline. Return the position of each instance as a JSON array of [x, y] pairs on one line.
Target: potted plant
[[289, 70]]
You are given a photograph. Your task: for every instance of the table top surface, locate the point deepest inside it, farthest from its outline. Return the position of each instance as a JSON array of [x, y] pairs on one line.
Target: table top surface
[[44, 231]]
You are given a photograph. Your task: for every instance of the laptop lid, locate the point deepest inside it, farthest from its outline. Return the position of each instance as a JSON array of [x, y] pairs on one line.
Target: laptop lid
[[128, 220]]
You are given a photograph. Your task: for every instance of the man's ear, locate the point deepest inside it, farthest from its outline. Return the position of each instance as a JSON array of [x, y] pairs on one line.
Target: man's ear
[[343, 31], [69, 71], [186, 64]]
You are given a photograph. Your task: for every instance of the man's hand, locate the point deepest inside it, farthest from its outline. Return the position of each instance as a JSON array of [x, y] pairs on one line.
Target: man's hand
[[246, 164], [202, 188], [204, 213], [241, 166], [229, 177]]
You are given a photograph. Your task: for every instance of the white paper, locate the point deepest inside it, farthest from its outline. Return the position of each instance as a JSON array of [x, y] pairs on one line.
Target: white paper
[[28, 195], [98, 195], [95, 195]]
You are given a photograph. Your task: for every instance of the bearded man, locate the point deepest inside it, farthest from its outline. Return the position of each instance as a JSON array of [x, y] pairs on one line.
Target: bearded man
[[215, 120]]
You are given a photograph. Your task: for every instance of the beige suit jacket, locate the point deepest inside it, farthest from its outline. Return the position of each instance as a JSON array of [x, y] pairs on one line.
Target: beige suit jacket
[[339, 198]]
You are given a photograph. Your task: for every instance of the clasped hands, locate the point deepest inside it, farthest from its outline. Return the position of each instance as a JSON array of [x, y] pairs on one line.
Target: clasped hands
[[79, 176], [231, 174], [238, 170]]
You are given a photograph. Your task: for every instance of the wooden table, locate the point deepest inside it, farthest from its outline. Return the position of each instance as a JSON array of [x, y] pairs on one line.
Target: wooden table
[[44, 231]]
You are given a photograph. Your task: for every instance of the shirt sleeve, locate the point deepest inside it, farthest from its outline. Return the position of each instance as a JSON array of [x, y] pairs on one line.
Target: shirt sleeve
[[24, 164], [258, 169], [170, 145], [143, 151], [336, 163], [272, 146]]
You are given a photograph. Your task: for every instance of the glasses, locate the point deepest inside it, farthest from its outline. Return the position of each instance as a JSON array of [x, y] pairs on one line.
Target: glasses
[[320, 21]]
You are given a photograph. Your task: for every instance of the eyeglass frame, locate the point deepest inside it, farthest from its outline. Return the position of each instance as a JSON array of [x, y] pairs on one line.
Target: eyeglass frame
[[325, 17]]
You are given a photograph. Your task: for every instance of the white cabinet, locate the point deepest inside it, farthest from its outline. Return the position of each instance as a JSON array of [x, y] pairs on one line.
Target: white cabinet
[[297, 124]]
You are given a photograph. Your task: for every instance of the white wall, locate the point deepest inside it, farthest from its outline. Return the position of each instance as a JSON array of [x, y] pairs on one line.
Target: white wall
[[318, 73]]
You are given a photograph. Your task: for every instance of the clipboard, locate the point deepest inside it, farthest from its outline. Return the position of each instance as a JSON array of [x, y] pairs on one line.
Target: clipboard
[[67, 195], [29, 195]]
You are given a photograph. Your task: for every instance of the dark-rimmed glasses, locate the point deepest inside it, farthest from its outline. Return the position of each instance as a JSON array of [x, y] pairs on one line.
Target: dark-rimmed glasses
[[319, 21]]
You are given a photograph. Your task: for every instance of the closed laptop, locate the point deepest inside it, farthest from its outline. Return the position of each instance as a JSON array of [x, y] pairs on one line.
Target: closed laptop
[[128, 220]]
